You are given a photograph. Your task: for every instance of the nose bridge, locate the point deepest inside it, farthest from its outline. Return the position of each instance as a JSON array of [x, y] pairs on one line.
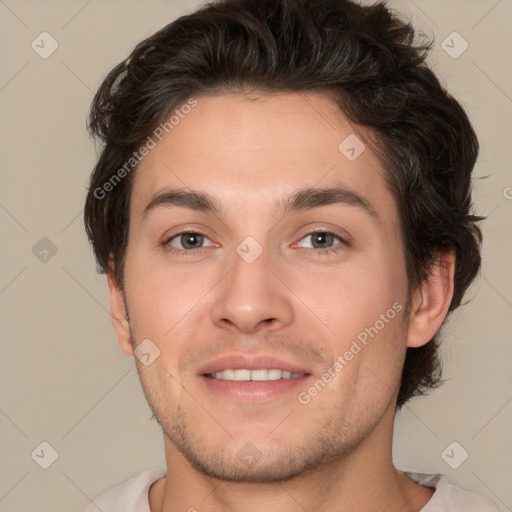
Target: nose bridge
[[252, 296]]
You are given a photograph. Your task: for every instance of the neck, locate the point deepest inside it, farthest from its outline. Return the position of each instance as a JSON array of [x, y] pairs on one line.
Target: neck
[[364, 480]]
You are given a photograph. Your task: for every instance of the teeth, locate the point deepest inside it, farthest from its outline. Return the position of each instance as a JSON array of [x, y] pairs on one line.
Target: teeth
[[255, 375], [259, 374], [240, 375], [275, 374], [228, 375]]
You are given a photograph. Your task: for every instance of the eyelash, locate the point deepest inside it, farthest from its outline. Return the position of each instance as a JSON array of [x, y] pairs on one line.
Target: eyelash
[[329, 250]]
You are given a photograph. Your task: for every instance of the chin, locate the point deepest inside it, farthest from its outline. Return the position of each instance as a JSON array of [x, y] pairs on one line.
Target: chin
[[265, 460]]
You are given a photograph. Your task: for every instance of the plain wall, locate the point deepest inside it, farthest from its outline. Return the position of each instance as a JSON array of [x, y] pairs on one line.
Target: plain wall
[[63, 379]]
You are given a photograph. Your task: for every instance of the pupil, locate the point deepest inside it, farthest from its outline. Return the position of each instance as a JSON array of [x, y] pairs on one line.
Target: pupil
[[321, 238], [191, 239]]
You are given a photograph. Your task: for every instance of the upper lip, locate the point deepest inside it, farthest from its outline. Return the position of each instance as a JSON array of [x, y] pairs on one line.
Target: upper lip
[[252, 362]]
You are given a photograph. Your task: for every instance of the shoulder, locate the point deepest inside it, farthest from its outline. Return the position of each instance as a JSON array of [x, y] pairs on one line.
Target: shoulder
[[450, 498], [129, 496]]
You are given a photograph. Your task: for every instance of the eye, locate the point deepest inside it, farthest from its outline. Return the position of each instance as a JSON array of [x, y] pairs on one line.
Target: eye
[[187, 241], [323, 241]]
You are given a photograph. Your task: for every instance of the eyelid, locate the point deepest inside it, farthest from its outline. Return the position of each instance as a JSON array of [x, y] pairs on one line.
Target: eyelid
[[343, 239], [322, 227], [168, 239]]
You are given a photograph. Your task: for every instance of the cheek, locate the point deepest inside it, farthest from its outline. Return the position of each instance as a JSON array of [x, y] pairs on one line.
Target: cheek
[[351, 298], [362, 307], [368, 359], [163, 299]]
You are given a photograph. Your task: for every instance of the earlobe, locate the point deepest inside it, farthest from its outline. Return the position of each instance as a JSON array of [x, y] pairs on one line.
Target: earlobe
[[431, 301], [119, 316]]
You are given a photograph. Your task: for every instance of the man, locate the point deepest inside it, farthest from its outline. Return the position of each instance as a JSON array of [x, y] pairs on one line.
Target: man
[[282, 207]]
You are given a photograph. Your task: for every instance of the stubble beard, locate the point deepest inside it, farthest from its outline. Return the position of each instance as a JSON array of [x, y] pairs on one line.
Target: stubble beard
[[330, 437]]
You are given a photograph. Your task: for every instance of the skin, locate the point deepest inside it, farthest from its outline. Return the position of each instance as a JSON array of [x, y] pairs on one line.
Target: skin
[[295, 301]]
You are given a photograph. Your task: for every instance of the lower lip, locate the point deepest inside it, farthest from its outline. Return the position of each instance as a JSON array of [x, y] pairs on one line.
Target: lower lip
[[255, 391]]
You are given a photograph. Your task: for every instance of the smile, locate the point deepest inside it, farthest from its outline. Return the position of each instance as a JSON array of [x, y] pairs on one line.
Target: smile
[[244, 375]]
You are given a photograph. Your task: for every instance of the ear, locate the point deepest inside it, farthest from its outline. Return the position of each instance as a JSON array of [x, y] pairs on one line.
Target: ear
[[431, 301], [118, 315]]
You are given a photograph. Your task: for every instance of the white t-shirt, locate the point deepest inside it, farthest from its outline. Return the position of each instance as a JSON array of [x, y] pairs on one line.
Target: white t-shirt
[[132, 495]]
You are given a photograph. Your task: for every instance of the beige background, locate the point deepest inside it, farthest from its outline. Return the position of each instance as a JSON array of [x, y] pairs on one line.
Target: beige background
[[63, 379]]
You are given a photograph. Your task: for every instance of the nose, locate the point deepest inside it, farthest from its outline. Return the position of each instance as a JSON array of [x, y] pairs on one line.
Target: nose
[[252, 298]]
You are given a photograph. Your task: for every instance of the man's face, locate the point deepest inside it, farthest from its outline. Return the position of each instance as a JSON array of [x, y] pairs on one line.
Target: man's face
[[259, 287]]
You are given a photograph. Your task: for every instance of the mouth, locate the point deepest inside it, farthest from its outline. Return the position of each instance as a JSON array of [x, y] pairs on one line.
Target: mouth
[[260, 375], [240, 377]]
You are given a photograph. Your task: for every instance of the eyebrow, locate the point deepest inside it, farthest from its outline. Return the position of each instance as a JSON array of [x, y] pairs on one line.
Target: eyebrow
[[308, 198], [300, 200]]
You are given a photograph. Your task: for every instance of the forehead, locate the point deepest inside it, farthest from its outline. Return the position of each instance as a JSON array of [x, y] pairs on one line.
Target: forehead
[[250, 150]]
